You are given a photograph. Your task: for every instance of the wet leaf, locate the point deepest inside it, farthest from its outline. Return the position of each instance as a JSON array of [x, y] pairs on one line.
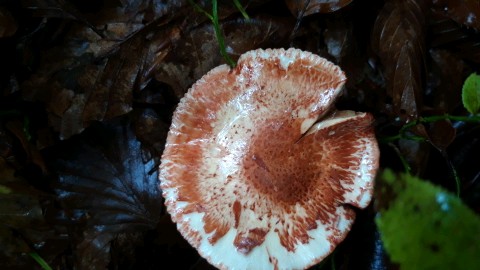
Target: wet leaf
[[425, 227], [338, 37], [56, 9], [151, 130], [242, 34], [471, 93], [342, 44], [117, 15], [441, 134], [22, 222], [398, 38], [79, 93], [445, 81], [466, 12], [301, 8], [91, 76], [448, 35], [196, 52], [109, 185]]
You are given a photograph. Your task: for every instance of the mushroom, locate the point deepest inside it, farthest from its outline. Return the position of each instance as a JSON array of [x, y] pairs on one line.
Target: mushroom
[[259, 171]]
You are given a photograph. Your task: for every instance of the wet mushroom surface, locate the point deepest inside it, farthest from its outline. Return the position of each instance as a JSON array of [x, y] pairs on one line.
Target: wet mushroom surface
[[259, 170]]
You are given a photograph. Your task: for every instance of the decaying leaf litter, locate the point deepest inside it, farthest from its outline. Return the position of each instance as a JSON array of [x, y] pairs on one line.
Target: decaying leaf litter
[[88, 89]]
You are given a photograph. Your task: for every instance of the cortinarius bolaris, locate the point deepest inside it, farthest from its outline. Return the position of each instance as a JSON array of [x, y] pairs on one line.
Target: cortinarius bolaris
[[259, 171]]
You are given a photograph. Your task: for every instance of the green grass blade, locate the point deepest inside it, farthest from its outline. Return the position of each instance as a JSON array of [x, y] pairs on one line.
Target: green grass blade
[[241, 9], [219, 35], [40, 260]]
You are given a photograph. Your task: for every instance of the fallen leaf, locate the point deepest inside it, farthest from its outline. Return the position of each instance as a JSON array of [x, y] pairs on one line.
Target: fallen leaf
[[398, 38], [91, 76], [23, 227], [107, 184], [339, 38], [342, 44], [301, 8], [466, 12], [445, 81], [151, 130], [107, 18], [441, 134], [448, 35]]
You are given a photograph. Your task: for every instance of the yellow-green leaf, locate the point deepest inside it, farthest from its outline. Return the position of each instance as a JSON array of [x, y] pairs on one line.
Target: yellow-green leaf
[[471, 93], [424, 226]]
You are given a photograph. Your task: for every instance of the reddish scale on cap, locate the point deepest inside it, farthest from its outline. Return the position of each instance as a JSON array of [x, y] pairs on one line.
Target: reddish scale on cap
[[309, 172], [248, 179]]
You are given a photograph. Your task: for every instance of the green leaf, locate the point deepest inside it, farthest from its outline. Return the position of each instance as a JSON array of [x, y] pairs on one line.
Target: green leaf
[[471, 93], [5, 190], [425, 227]]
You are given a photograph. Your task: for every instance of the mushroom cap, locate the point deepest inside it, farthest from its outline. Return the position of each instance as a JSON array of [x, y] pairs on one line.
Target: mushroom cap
[[258, 172]]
